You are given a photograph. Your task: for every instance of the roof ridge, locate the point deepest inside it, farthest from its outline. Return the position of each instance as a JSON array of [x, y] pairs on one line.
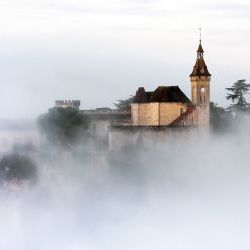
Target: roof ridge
[[161, 94]]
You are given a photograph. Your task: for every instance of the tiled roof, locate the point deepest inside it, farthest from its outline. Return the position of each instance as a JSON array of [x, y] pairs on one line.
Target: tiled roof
[[200, 68], [200, 49], [161, 94], [141, 96]]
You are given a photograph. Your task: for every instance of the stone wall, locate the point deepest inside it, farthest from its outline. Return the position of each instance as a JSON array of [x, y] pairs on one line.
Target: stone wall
[[200, 90], [135, 114], [148, 114], [203, 116], [156, 114], [201, 99], [171, 111], [122, 137]]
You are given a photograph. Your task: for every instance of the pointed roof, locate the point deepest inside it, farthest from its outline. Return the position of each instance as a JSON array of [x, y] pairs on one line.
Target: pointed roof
[[141, 95], [200, 49], [200, 67]]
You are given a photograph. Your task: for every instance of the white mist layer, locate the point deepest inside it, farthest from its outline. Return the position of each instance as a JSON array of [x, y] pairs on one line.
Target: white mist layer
[[192, 193]]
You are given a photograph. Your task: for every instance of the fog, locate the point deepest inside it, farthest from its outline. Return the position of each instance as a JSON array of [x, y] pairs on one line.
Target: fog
[[190, 192], [187, 193]]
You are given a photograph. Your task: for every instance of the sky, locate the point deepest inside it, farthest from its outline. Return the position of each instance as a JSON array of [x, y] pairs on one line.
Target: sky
[[102, 51]]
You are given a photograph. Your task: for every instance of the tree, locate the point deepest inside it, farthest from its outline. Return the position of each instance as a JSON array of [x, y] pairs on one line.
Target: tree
[[237, 95], [220, 119], [62, 125], [15, 166], [124, 104]]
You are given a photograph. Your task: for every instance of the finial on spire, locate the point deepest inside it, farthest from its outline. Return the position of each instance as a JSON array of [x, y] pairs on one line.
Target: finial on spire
[[200, 49], [200, 34]]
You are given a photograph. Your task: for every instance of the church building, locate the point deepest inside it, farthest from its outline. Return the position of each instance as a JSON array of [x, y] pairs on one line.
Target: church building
[[163, 113], [169, 106]]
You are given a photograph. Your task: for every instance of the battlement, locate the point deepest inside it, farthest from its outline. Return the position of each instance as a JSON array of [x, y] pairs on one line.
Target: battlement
[[68, 103]]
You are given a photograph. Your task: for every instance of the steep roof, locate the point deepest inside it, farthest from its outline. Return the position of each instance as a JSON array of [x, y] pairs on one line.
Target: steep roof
[[142, 96], [161, 94], [200, 67], [200, 49]]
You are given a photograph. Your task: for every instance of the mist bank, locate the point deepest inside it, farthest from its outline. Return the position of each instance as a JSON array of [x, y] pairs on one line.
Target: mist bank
[[189, 192]]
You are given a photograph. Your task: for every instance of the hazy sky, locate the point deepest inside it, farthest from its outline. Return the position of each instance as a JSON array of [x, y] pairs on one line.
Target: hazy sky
[[101, 51]]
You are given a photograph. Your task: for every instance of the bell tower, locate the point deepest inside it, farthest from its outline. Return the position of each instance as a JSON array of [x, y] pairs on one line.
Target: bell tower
[[200, 87]]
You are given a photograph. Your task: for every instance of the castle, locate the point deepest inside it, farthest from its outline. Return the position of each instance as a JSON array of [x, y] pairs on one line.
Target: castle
[[164, 111], [169, 106]]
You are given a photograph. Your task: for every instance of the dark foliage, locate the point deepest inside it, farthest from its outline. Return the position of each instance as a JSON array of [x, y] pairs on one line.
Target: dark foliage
[[62, 125], [124, 104], [220, 119], [236, 94], [18, 167]]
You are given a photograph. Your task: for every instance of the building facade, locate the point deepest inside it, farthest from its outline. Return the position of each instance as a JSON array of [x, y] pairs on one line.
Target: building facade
[[162, 107], [169, 106], [156, 115], [200, 87]]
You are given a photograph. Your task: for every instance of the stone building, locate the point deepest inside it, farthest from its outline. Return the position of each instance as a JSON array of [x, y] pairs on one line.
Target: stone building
[[100, 119], [163, 107], [169, 106], [68, 103], [163, 113]]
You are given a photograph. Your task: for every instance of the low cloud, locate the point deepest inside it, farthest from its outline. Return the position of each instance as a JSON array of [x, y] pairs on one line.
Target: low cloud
[[190, 192]]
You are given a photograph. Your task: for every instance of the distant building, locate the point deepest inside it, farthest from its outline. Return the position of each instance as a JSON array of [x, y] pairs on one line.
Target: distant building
[[100, 121], [167, 110], [162, 107], [169, 106], [104, 109], [68, 103]]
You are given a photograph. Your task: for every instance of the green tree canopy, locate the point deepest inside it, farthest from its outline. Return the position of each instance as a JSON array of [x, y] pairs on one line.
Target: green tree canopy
[[237, 94], [15, 166], [62, 125]]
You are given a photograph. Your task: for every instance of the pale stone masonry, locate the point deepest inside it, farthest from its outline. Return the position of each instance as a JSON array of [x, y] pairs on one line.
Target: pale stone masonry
[[169, 106], [156, 114]]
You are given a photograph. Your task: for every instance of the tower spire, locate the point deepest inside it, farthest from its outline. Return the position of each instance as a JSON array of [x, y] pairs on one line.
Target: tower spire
[[200, 68], [200, 34], [200, 87], [200, 50]]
